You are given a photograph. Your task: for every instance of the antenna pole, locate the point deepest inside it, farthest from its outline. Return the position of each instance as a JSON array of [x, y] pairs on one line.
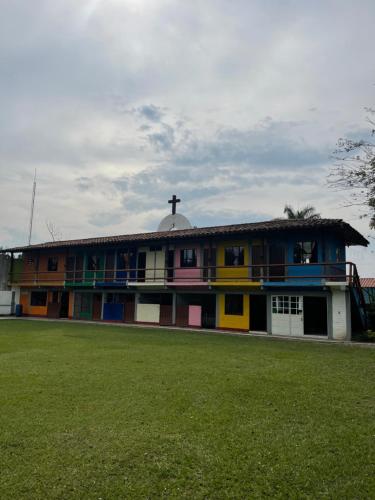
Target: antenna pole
[[32, 208]]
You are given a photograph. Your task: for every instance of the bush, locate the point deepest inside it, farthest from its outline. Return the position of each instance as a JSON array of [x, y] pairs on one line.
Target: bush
[[371, 318], [367, 336]]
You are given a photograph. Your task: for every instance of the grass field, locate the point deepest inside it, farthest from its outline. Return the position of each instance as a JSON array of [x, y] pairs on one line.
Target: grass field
[[106, 412]]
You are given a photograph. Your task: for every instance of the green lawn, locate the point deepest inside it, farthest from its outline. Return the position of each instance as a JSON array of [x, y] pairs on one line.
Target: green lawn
[[112, 412]]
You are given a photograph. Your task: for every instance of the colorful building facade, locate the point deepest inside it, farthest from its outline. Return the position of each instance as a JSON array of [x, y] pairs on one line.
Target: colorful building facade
[[281, 277]]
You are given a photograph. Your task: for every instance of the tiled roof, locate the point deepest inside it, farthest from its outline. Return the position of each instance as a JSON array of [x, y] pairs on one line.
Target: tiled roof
[[349, 235], [367, 282]]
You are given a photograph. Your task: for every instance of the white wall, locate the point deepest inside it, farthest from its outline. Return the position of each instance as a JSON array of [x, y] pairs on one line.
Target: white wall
[[6, 303], [4, 271], [340, 314], [155, 260], [148, 313]]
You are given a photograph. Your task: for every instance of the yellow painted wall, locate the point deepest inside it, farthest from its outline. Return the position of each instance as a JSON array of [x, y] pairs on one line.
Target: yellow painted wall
[[231, 321], [232, 272], [48, 283]]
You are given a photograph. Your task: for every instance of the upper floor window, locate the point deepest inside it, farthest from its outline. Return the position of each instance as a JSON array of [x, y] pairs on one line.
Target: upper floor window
[[188, 257], [306, 252], [340, 254], [234, 304], [123, 260], [126, 259], [70, 263], [234, 256], [93, 263], [52, 264]]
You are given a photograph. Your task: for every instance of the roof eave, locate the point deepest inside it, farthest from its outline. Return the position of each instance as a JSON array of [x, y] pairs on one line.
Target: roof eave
[[349, 235]]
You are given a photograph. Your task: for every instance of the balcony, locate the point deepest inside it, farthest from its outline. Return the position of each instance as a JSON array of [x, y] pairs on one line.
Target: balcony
[[36, 278], [272, 275]]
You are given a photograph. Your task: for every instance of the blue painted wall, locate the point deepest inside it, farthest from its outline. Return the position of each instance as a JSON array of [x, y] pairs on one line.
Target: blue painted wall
[[329, 249]]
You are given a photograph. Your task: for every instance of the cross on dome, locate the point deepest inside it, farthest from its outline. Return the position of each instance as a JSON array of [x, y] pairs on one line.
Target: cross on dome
[[174, 221], [174, 202]]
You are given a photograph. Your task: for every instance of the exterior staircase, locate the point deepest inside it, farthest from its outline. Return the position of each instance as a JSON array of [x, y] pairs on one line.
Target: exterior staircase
[[358, 302]]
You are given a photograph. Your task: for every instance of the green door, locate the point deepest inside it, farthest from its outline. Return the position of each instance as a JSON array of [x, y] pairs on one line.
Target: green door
[[83, 305]]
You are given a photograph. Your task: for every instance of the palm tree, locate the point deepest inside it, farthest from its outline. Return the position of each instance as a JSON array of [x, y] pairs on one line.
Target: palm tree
[[307, 212]]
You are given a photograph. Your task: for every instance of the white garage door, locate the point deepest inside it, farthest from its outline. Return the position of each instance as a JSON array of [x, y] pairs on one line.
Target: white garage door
[[287, 315]]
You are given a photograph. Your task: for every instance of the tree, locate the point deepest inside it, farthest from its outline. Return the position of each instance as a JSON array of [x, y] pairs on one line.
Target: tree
[[54, 232], [307, 212], [354, 170]]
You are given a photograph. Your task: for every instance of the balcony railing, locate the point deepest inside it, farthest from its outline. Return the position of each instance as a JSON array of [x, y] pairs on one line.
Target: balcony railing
[[270, 273]]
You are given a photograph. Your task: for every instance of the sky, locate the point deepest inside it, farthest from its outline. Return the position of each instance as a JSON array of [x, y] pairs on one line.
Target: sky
[[235, 106]]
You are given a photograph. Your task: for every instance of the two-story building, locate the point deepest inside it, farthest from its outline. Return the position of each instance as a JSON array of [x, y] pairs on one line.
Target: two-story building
[[281, 277]]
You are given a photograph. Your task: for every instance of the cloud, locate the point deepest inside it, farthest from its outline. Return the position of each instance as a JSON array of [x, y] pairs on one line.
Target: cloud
[[271, 145], [163, 140], [84, 183], [121, 104], [103, 219], [150, 112]]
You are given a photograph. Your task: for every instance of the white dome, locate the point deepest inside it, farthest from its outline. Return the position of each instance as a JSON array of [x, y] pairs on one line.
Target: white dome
[[173, 222]]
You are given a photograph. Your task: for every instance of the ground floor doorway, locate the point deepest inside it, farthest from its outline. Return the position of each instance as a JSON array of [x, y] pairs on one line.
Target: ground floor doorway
[[287, 315], [97, 307], [57, 304], [166, 309], [83, 305], [258, 313], [315, 315], [119, 307], [64, 306], [196, 310], [298, 315]]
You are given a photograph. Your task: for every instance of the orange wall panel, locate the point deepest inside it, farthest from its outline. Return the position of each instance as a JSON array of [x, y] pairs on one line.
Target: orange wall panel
[[37, 268], [71, 304], [24, 301], [38, 311], [51, 276], [32, 310]]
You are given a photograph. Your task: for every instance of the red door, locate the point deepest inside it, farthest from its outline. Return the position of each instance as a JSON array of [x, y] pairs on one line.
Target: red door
[[129, 315], [97, 307]]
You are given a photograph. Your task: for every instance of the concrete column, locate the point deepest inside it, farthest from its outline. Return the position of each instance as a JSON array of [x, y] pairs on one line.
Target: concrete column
[[269, 314], [136, 300], [217, 322], [174, 305], [17, 294], [104, 299], [341, 317]]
